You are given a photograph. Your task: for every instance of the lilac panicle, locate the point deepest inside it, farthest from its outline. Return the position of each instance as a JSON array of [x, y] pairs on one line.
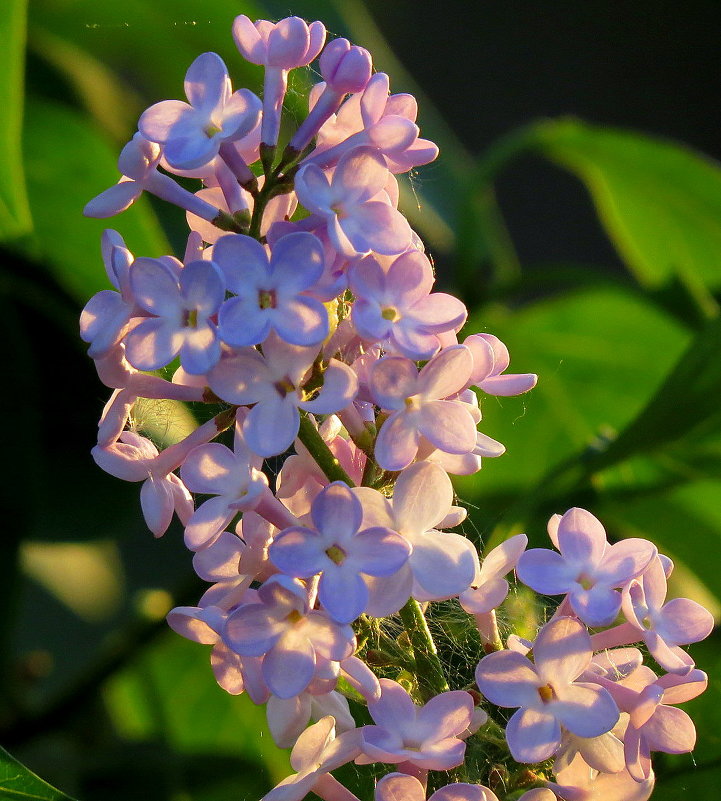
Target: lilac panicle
[[307, 328]]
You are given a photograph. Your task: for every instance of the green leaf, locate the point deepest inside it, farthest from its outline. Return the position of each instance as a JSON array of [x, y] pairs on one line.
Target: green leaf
[[68, 163], [14, 210], [21, 784], [684, 522], [599, 353], [687, 403], [659, 201], [169, 692]]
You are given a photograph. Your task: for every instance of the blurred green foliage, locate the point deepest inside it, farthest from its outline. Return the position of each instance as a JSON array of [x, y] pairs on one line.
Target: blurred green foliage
[[625, 419]]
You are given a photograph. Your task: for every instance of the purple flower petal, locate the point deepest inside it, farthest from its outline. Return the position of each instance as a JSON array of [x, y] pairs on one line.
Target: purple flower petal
[[243, 261], [290, 664], [586, 710], [153, 344], [298, 552], [379, 552], [114, 200], [343, 593], [340, 386], [337, 513], [360, 175], [444, 564], [297, 262], [447, 425], [208, 520], [393, 379], [562, 650], [447, 373], [394, 706], [301, 321], [207, 84], [581, 538], [545, 571], [445, 715], [377, 226], [508, 679], [533, 735], [397, 442], [422, 496], [271, 426]]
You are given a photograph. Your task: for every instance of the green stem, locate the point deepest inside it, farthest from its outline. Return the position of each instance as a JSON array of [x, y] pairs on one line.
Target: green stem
[[431, 679], [309, 436]]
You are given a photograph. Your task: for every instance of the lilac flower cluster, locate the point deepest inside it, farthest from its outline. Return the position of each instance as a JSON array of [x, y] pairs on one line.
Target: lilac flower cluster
[[303, 314]]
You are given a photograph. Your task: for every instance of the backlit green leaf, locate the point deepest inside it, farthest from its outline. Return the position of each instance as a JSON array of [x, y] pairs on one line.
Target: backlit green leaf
[[20, 784], [14, 211]]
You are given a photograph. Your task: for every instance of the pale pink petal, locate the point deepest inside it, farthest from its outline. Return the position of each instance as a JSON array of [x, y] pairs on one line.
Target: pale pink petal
[[562, 651], [533, 735], [447, 373], [422, 496]]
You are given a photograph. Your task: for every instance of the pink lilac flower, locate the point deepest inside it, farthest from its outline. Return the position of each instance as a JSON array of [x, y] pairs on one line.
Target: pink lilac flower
[[655, 725], [273, 382], [270, 290], [292, 639], [288, 717], [375, 119], [317, 752], [397, 305], [279, 47], [191, 135], [353, 204], [418, 407], [162, 493], [345, 68], [579, 782], [665, 626], [339, 551], [138, 164], [181, 304], [401, 787], [426, 737], [234, 477], [106, 315], [546, 691], [489, 587], [441, 564], [491, 358], [588, 569], [235, 674]]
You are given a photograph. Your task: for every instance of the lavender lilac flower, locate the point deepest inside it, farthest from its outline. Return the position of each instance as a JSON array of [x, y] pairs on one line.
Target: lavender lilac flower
[[302, 315]]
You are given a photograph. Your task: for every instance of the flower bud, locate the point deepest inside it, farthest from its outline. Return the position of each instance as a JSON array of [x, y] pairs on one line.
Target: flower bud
[[345, 68]]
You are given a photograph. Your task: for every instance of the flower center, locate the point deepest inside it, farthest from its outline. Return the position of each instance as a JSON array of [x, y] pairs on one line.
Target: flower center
[[586, 581], [191, 318], [284, 387], [546, 693], [295, 616], [266, 299], [412, 403], [336, 554], [391, 314], [211, 129]]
